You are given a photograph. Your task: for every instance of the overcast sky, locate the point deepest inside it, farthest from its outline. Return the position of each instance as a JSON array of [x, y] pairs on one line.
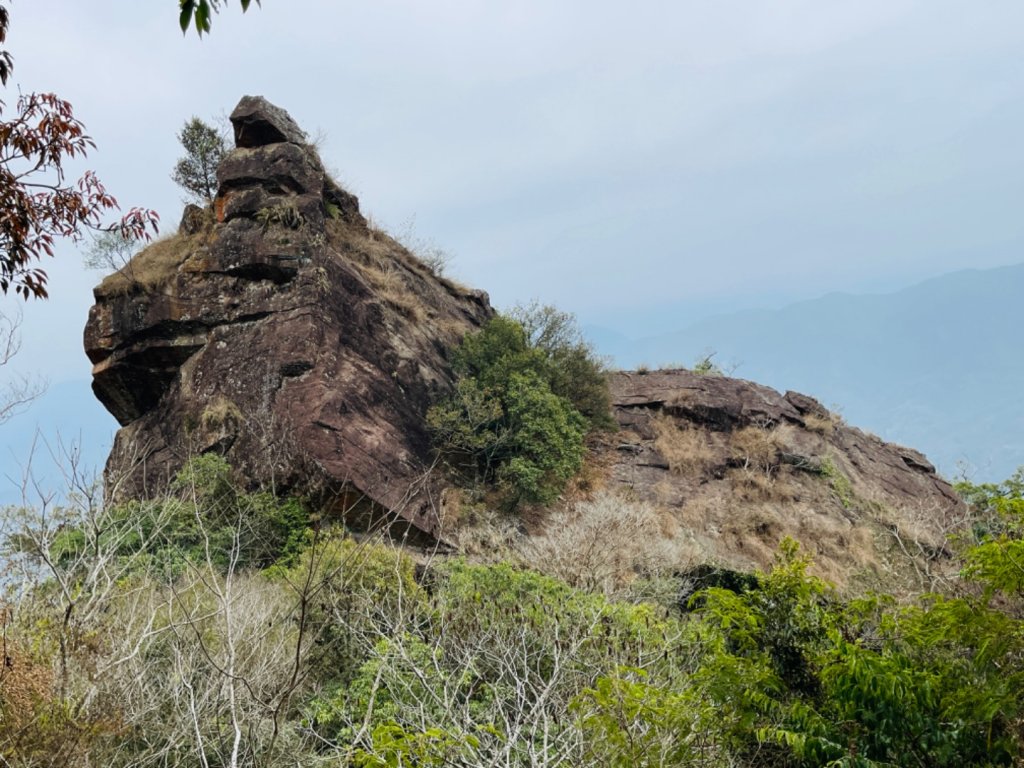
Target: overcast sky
[[618, 159]]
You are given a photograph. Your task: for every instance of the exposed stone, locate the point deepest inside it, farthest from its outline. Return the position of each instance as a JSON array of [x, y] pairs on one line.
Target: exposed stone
[[257, 122], [739, 466], [330, 341], [278, 168], [193, 219]]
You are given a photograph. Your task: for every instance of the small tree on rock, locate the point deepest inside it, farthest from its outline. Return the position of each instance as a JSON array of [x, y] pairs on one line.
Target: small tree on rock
[[196, 172]]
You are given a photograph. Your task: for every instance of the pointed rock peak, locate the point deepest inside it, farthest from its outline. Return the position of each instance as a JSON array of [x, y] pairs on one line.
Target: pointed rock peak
[[257, 122]]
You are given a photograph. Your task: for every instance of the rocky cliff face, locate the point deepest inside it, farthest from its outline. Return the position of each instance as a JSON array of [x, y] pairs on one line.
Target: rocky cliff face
[[280, 330], [735, 466]]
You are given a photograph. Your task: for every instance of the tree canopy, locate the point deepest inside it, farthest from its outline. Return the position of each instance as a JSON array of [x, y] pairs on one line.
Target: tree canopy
[[528, 390], [196, 172]]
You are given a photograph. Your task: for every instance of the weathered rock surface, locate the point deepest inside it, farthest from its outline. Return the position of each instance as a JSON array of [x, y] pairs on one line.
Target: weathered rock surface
[[736, 466], [283, 332]]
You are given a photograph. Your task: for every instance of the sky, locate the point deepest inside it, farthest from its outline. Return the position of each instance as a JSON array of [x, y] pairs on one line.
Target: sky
[[638, 164]]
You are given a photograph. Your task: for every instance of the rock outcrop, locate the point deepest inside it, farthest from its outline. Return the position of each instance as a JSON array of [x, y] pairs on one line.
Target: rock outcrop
[[279, 329], [736, 466]]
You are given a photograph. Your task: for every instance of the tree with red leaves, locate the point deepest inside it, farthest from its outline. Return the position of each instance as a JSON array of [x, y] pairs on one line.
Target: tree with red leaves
[[38, 205]]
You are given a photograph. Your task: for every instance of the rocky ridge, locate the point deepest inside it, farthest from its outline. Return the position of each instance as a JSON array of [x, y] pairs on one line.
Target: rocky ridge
[[735, 466]]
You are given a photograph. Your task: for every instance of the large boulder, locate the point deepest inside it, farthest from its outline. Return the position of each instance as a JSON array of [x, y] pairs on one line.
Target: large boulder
[[257, 122], [284, 333]]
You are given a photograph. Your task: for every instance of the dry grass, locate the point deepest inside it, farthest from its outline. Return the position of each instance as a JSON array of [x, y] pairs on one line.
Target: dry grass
[[484, 533], [756, 448], [751, 485], [823, 425], [153, 267], [385, 264], [24, 685], [687, 451], [605, 543]]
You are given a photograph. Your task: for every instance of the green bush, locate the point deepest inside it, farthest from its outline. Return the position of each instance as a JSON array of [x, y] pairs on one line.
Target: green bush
[[573, 369], [526, 394], [205, 517], [360, 591], [995, 547], [800, 674]]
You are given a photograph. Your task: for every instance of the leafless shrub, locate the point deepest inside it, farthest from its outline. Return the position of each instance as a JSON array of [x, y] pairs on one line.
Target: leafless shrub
[[18, 391], [603, 544], [433, 257]]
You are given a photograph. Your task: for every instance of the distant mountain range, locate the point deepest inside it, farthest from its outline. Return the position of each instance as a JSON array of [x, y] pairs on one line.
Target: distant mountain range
[[937, 366]]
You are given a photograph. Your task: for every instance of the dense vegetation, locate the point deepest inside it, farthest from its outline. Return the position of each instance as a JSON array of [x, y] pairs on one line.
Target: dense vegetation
[[216, 627], [529, 388]]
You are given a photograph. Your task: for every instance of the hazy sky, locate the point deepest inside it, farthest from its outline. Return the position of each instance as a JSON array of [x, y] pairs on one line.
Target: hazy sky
[[614, 158]]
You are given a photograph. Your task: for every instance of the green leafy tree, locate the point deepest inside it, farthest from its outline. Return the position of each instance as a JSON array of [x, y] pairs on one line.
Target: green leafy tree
[[995, 555], [630, 723], [545, 448], [196, 172], [570, 365], [512, 419], [800, 678]]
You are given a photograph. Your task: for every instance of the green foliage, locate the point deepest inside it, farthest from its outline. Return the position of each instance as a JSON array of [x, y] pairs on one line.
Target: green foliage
[[499, 646], [285, 215], [132, 644], [363, 591], [527, 390], [545, 616], [629, 723], [394, 747], [545, 445], [200, 12], [406, 682], [214, 520], [570, 366], [934, 684], [706, 366], [206, 520], [995, 556], [839, 482], [204, 146]]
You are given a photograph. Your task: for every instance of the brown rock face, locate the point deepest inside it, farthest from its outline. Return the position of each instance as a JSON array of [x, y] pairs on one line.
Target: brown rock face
[[281, 331], [736, 466]]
